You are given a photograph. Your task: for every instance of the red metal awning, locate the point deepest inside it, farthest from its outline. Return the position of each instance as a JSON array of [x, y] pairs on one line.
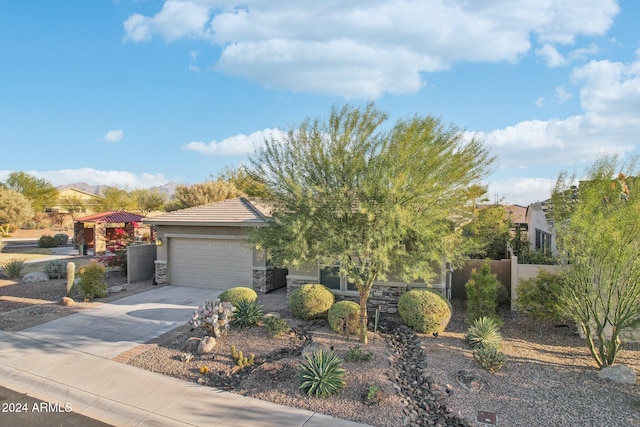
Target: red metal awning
[[111, 217]]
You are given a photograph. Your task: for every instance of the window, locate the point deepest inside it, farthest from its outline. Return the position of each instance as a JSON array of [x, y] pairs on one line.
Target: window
[[543, 240], [330, 277]]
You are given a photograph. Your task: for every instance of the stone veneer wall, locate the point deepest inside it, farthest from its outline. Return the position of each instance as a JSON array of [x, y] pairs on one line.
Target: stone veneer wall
[[266, 280], [161, 272], [382, 295]]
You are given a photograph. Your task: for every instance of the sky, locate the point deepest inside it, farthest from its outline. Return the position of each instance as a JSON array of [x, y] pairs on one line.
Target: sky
[[138, 93]]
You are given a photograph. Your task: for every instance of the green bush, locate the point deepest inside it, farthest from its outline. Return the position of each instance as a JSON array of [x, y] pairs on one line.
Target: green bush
[[482, 295], [538, 297], [46, 241], [92, 281], [61, 239], [344, 317], [235, 295], [424, 311], [13, 268], [310, 301], [321, 374], [56, 269], [276, 326], [490, 359], [355, 354], [248, 313], [483, 333]]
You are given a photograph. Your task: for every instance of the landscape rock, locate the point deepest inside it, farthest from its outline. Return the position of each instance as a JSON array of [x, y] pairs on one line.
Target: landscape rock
[[36, 276], [314, 347], [116, 289], [66, 301], [620, 374], [206, 345]]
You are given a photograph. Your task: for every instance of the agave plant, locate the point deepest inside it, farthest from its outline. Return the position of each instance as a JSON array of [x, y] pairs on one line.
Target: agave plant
[[483, 333], [321, 374], [490, 359], [248, 313]]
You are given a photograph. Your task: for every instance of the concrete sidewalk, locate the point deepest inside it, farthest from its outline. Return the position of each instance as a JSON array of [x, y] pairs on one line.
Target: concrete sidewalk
[[68, 361]]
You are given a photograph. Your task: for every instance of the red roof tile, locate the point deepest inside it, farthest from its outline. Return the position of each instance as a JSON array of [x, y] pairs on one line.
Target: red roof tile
[[112, 217]]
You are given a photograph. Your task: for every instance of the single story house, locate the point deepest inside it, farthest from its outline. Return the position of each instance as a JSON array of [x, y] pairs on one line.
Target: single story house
[[206, 246]]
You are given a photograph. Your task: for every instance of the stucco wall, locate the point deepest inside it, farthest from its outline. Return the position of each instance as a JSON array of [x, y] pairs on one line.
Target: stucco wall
[[140, 262]]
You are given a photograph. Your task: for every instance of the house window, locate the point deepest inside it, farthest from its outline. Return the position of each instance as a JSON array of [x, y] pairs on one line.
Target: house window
[[543, 240], [330, 277]]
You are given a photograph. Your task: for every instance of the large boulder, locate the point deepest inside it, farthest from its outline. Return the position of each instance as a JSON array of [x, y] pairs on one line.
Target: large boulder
[[36, 276], [618, 374]]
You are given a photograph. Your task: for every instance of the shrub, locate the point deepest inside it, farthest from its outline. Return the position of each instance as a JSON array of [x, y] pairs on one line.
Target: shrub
[[482, 295], [46, 241], [14, 267], [310, 301], [92, 281], [538, 297], [248, 313], [490, 359], [372, 395], [344, 317], [483, 333], [424, 311], [355, 354], [56, 269], [61, 239], [235, 295], [321, 374], [276, 326]]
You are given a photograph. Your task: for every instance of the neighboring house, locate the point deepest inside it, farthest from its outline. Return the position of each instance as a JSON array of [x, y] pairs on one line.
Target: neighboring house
[[541, 235], [73, 201], [206, 246]]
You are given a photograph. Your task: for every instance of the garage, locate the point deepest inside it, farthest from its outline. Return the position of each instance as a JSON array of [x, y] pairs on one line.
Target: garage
[[207, 247], [209, 263]]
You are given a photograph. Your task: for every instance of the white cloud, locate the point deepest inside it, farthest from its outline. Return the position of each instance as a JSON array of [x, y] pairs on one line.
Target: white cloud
[[96, 177], [562, 95], [540, 102], [237, 145], [366, 49], [113, 136], [521, 191]]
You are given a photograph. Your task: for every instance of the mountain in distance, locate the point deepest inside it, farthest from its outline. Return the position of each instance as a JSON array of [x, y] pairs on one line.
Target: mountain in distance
[[169, 188]]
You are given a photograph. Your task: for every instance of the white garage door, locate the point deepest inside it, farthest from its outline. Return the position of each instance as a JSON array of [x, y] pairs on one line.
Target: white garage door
[[209, 263]]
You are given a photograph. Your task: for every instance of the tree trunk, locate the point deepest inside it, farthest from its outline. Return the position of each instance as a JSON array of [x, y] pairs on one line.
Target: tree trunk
[[363, 317]]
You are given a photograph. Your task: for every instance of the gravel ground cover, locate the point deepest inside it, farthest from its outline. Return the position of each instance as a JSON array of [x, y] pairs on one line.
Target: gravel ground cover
[[549, 380]]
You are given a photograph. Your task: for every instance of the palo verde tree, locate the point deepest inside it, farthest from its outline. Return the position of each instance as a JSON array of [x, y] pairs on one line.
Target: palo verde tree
[[14, 209], [599, 239], [188, 196], [347, 192], [39, 191]]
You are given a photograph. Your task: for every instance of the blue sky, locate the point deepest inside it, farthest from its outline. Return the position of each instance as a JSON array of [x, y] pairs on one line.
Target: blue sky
[[137, 93]]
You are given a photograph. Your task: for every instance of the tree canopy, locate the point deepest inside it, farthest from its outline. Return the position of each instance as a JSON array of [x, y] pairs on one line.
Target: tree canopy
[[14, 209], [348, 191], [188, 196], [598, 235], [40, 192], [148, 199]]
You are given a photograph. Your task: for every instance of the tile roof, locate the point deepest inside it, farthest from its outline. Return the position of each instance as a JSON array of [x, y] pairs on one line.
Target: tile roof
[[517, 214], [232, 212], [112, 217]]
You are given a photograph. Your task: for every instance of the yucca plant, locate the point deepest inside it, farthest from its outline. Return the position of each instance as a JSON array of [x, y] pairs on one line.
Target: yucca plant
[[483, 333], [490, 359], [13, 268], [248, 313], [321, 374]]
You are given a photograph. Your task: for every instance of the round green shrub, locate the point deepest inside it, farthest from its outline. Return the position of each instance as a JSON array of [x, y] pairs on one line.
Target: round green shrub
[[235, 295], [61, 239], [46, 241], [310, 301], [424, 311], [344, 316], [56, 269], [93, 283]]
